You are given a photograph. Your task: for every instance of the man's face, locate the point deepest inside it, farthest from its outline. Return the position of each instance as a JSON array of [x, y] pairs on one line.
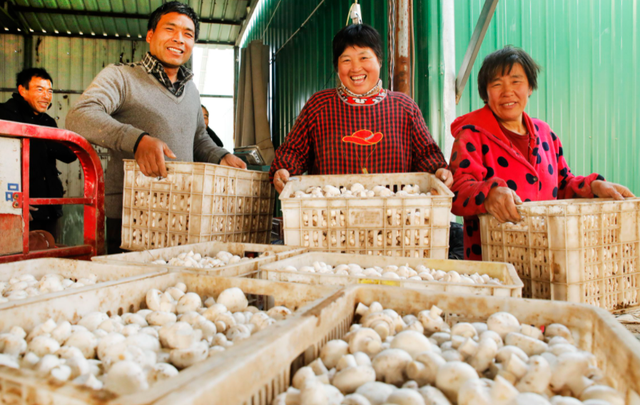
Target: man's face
[[206, 117], [172, 40], [38, 95]]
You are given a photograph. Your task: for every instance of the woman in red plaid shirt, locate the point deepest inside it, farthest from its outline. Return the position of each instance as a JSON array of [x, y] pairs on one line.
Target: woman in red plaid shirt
[[358, 127]]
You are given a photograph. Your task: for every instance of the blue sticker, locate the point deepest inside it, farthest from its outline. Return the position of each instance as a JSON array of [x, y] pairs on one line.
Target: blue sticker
[[8, 196], [14, 186]]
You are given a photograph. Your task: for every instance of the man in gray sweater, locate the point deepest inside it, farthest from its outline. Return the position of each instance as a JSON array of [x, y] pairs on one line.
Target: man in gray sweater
[[148, 110]]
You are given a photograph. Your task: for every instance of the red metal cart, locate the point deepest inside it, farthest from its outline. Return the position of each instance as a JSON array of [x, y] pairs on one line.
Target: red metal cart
[[93, 199]]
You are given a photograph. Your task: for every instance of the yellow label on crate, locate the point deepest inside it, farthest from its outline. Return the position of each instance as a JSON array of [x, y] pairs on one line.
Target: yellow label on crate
[[368, 281], [391, 283]]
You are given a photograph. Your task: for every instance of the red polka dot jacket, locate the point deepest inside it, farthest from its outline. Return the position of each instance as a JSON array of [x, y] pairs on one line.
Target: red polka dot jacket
[[483, 157]]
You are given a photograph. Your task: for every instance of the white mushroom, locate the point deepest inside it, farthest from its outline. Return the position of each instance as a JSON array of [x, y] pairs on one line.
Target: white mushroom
[[390, 364], [233, 298], [452, 375], [188, 302], [125, 377]]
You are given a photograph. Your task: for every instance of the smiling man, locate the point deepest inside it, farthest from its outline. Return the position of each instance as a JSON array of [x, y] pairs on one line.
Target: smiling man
[[29, 105], [148, 110]]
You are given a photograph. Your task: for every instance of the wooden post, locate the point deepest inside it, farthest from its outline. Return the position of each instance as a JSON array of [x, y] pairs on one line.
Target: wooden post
[[401, 45]]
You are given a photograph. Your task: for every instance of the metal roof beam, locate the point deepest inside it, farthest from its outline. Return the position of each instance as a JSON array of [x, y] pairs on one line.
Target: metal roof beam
[[109, 14], [100, 36]]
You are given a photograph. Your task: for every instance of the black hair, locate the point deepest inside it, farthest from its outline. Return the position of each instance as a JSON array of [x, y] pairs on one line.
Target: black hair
[[501, 62], [173, 7], [24, 77], [205, 108], [361, 35]]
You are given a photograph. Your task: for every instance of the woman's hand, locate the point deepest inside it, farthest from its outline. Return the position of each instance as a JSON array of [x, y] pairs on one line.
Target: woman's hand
[[280, 178], [501, 203], [446, 176], [604, 189]]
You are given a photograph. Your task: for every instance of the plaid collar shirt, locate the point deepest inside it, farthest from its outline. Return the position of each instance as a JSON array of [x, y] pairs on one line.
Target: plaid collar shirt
[[332, 137], [153, 66]]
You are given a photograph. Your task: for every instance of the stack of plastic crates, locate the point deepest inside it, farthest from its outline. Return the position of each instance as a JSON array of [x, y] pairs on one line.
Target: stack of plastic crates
[[582, 250], [197, 202], [401, 226]]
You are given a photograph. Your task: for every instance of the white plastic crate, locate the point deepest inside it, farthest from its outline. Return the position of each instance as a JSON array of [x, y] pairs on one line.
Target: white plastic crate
[[196, 202], [260, 254], [511, 287], [260, 376], [410, 226], [582, 250], [25, 387], [73, 269]]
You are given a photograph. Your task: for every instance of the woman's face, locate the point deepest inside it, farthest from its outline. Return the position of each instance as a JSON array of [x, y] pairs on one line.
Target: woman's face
[[358, 69], [508, 95]]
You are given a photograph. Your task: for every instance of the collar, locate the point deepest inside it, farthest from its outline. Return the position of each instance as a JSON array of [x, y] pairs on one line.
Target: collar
[[153, 66], [372, 97]]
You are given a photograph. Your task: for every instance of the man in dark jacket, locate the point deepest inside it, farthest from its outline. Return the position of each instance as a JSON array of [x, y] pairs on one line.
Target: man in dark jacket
[[28, 105], [210, 132]]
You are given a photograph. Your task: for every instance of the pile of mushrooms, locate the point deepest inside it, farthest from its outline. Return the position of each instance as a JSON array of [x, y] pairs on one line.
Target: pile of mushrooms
[[357, 190], [420, 360], [26, 285], [129, 353], [403, 272], [197, 260]]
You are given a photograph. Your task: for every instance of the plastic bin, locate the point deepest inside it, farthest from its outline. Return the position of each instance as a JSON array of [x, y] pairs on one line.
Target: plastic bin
[[260, 253], [25, 387], [197, 202], [411, 226], [262, 375], [512, 286], [583, 250], [73, 269]]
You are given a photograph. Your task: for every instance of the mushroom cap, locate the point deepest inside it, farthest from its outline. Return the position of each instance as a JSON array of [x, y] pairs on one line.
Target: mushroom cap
[[350, 378], [160, 318], [602, 392], [390, 364], [405, 396], [126, 377], [411, 342], [234, 299], [365, 340], [376, 392], [452, 375], [182, 358], [333, 351], [43, 345], [188, 302], [503, 323]]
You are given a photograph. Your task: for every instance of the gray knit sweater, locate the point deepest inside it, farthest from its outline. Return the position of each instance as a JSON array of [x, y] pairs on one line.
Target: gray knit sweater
[[124, 101]]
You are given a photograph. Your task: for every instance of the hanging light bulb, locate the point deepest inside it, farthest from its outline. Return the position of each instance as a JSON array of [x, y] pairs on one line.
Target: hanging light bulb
[[355, 14]]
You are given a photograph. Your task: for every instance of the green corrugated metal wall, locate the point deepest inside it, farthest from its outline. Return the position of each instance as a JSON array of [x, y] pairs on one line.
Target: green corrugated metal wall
[[304, 65], [588, 89]]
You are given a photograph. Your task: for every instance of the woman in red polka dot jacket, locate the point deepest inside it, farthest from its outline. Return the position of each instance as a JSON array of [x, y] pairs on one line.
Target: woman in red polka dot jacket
[[502, 157]]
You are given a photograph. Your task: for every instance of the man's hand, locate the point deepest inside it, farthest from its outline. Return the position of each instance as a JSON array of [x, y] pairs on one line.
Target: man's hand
[[233, 161], [32, 208], [604, 189], [280, 178], [150, 156], [445, 176], [501, 203]]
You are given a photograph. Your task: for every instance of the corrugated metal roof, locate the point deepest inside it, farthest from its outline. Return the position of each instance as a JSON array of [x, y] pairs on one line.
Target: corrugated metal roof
[[221, 20]]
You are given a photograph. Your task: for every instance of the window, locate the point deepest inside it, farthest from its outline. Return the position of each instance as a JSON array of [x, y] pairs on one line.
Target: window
[[213, 68]]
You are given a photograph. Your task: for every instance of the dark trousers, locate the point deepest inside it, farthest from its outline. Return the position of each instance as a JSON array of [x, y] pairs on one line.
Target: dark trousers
[[114, 236]]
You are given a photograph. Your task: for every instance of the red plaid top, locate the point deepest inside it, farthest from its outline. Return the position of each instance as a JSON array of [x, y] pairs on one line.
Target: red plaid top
[[315, 144]]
